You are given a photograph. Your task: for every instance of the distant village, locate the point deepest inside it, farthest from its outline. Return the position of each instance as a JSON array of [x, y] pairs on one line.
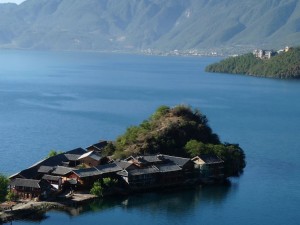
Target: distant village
[[221, 52], [78, 169], [267, 54]]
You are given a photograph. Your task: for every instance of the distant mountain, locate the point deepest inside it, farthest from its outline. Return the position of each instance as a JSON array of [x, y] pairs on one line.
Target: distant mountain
[[156, 24]]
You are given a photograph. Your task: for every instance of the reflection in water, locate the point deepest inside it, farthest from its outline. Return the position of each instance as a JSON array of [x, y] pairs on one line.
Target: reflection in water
[[36, 217], [174, 202], [171, 203]]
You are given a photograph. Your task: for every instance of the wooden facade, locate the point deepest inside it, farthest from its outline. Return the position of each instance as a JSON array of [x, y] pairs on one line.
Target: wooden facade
[[158, 171], [136, 172], [29, 188]]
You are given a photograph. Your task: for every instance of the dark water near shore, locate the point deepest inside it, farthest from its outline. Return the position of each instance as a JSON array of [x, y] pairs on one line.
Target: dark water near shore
[[65, 100]]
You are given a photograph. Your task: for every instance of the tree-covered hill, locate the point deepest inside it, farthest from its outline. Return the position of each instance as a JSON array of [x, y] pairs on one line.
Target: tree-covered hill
[[284, 65], [179, 131]]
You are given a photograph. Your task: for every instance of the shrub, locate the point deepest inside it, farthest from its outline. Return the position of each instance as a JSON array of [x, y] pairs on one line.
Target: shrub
[[97, 189], [3, 187], [11, 196], [108, 182]]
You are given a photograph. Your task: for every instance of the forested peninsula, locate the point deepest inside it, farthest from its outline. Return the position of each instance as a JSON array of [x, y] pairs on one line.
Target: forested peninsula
[[285, 65]]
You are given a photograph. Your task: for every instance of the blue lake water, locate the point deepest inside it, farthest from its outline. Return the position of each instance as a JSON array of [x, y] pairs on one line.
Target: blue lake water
[[55, 100]]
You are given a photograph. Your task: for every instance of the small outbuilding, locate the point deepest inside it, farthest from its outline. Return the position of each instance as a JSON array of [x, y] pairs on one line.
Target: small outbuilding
[[209, 166]]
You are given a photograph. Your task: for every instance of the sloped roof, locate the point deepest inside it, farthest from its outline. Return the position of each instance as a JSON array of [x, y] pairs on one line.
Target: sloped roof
[[72, 157], [123, 164], [149, 170], [45, 169], [74, 154], [99, 146], [153, 158], [146, 159], [123, 173], [56, 160], [51, 177], [210, 159], [177, 160], [170, 167], [61, 170], [90, 154], [99, 170], [109, 168], [32, 171], [76, 151], [19, 182], [88, 172]]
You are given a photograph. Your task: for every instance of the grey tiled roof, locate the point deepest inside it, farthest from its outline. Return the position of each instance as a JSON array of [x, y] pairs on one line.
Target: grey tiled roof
[[61, 170], [45, 169], [19, 182], [50, 177], [177, 160], [56, 160], [170, 167], [123, 164], [210, 158], [99, 170], [88, 172], [149, 170], [72, 157], [149, 159], [99, 146], [91, 155], [109, 168]]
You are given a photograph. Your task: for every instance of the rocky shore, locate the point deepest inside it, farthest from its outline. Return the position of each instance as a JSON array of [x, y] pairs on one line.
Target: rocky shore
[[35, 210]]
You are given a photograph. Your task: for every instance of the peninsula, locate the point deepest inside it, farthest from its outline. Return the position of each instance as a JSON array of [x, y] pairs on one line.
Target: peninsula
[[174, 148], [282, 64]]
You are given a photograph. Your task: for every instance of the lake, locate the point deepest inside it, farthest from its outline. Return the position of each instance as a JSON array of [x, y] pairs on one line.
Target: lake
[[65, 100]]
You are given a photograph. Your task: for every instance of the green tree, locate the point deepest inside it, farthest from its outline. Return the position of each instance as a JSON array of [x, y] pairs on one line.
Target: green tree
[[53, 153], [109, 182], [97, 189], [161, 111], [11, 196], [195, 148], [3, 187], [109, 149]]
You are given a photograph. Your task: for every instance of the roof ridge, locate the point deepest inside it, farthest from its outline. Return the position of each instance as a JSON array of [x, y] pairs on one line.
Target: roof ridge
[[179, 157]]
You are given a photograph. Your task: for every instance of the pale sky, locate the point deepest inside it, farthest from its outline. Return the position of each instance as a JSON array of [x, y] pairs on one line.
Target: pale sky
[[14, 1]]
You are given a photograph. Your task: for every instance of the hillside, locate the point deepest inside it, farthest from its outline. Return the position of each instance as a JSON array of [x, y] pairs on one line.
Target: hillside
[[134, 25], [178, 131], [284, 66]]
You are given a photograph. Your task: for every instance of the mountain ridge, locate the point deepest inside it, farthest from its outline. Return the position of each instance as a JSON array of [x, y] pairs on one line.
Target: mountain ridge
[[132, 25]]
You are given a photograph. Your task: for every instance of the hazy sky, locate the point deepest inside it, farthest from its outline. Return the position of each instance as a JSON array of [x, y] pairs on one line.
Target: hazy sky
[[15, 1]]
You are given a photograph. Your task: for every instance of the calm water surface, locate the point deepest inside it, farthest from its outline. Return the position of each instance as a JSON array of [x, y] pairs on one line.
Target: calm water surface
[[61, 101]]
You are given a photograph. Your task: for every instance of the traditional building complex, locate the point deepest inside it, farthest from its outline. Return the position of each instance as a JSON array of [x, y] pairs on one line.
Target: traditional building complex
[[80, 168]]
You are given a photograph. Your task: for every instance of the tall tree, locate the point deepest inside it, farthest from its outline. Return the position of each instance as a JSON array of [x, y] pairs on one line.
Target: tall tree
[[3, 187]]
